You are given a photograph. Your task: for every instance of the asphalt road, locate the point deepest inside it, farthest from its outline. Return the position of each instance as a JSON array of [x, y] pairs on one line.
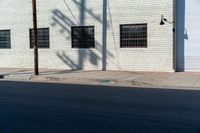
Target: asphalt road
[[64, 108]]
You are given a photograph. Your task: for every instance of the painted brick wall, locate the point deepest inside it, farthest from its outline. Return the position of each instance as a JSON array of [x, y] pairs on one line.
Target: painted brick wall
[[60, 15]]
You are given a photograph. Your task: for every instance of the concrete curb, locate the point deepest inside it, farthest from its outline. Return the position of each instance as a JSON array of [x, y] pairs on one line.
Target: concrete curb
[[73, 80], [144, 80], [21, 77], [130, 83]]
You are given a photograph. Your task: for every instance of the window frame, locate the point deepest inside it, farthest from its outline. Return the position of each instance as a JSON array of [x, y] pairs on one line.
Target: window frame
[[7, 30], [39, 47], [133, 46], [73, 46]]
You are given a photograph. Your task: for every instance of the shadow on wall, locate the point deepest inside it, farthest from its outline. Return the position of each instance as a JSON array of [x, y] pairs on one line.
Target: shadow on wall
[[186, 34], [65, 22], [182, 34]]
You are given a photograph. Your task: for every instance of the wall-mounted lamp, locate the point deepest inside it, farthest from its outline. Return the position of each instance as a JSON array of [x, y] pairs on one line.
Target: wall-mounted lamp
[[164, 20]]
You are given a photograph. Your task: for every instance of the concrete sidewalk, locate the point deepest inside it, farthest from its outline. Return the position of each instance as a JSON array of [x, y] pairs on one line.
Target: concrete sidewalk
[[143, 79]]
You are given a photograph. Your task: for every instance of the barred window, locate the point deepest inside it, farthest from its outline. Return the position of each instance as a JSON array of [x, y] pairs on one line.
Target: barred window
[[43, 38], [83, 37], [5, 39], [133, 35]]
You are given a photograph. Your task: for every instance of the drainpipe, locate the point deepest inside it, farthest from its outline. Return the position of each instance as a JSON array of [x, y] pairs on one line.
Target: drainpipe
[[175, 35]]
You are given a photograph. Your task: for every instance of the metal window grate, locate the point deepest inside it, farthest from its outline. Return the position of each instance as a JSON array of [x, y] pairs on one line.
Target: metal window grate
[[83, 37], [43, 38], [5, 39], [133, 35]]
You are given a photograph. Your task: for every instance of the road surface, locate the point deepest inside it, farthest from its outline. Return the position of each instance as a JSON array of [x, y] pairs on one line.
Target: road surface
[[67, 108]]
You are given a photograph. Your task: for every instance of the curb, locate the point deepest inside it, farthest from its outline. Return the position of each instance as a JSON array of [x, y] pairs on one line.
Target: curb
[[91, 81], [130, 83], [14, 77]]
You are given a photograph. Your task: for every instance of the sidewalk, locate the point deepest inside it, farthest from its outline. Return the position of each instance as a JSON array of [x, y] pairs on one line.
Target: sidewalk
[[139, 79]]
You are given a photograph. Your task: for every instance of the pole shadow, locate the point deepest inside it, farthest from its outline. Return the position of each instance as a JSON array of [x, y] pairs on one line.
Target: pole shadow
[[94, 55]]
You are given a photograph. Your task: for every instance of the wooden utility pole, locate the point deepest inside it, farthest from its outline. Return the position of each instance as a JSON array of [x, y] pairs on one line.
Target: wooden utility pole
[[36, 71]]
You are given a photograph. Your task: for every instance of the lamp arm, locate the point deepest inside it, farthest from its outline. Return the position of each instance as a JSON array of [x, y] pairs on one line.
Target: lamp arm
[[173, 22]]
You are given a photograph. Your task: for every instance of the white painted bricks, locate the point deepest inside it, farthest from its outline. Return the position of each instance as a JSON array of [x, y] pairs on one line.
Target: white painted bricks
[[58, 16]]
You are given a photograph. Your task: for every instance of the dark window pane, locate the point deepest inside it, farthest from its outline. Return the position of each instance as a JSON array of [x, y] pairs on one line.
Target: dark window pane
[[5, 39], [83, 37], [43, 38], [133, 35]]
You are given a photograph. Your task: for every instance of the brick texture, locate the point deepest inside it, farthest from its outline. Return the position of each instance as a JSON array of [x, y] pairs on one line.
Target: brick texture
[[60, 15]]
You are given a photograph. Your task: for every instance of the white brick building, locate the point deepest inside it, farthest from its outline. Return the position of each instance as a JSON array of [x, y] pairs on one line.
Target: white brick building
[[156, 51]]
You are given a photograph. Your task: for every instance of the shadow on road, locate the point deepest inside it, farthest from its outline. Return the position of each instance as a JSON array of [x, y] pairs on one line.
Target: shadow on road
[[67, 108]]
